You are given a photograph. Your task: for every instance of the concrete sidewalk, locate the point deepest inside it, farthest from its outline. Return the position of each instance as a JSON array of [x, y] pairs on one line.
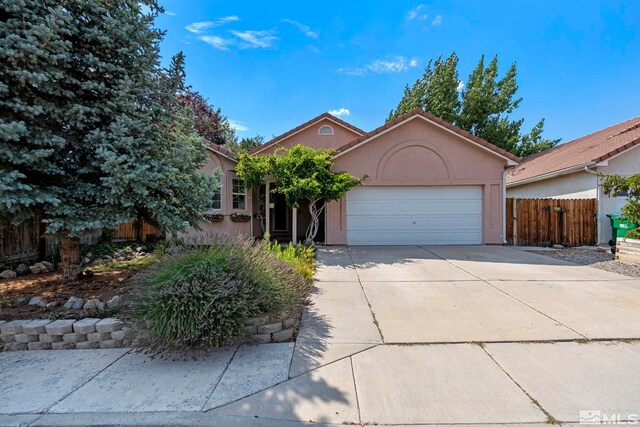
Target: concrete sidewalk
[[395, 336]]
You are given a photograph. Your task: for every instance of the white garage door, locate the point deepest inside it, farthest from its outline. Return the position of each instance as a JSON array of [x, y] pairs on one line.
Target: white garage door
[[414, 216]]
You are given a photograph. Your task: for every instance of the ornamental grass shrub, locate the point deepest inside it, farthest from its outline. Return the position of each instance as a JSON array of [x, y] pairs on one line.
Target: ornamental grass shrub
[[201, 297], [302, 257]]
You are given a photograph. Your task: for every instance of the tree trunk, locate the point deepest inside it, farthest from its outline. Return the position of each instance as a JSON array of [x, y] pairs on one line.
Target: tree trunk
[[315, 212], [71, 258]]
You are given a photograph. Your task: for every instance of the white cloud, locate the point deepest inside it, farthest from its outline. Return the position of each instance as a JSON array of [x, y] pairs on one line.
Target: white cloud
[[460, 85], [200, 27], [436, 21], [340, 112], [256, 39], [219, 43], [170, 13], [418, 13], [238, 126], [305, 29], [394, 64]]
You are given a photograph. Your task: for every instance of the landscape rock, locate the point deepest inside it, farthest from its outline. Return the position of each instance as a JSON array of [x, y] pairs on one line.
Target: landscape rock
[[86, 260], [43, 268], [174, 250], [47, 264], [8, 274], [52, 304], [22, 269], [89, 255], [107, 257], [114, 303], [74, 303], [95, 305], [558, 247], [22, 301], [36, 301], [34, 269]]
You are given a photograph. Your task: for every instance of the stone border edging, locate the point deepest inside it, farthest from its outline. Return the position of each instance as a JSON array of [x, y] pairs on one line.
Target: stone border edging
[[269, 328], [62, 334]]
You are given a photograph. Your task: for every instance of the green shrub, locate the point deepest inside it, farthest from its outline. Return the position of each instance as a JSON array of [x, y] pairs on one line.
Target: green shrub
[[302, 257], [634, 233], [201, 298]]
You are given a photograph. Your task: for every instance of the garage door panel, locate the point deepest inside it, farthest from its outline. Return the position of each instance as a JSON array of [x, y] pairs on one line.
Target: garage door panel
[[414, 215]]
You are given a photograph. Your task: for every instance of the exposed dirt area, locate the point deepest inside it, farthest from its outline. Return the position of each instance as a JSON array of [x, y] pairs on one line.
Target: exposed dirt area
[[102, 285], [593, 258]]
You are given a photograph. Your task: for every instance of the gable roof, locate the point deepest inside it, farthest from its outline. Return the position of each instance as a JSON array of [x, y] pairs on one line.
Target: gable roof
[[305, 125], [221, 150], [573, 155], [419, 113]]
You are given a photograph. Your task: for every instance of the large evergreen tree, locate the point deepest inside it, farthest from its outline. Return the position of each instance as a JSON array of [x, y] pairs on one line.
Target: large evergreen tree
[[89, 130], [483, 107]]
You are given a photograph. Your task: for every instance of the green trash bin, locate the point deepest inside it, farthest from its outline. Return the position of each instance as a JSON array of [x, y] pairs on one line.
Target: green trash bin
[[619, 227]]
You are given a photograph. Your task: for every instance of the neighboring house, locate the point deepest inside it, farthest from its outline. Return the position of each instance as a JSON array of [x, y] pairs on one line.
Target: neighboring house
[[426, 182], [570, 170]]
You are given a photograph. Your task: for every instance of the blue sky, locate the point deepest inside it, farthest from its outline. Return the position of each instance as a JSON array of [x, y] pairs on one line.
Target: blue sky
[[273, 65]]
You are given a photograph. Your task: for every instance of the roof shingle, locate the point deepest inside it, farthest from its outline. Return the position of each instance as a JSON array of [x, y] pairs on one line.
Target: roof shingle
[[593, 148]]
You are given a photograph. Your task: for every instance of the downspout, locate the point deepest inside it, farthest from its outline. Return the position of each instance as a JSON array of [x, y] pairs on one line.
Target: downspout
[[598, 201]]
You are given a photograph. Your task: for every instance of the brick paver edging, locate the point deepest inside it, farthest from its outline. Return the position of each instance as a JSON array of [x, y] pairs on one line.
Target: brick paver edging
[[62, 334]]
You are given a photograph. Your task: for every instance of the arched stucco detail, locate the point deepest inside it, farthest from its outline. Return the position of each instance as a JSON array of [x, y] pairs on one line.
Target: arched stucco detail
[[413, 159]]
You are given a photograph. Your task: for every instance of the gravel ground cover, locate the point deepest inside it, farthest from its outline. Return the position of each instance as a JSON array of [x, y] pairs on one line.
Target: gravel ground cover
[[593, 258]]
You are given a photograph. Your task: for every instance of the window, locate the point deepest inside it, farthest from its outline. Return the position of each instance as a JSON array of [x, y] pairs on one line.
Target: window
[[325, 130], [216, 202], [238, 194]]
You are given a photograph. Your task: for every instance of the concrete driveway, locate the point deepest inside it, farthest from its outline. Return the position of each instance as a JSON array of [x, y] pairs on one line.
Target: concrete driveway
[[393, 336]]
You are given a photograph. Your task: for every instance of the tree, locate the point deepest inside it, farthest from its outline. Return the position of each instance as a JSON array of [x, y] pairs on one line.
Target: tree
[[300, 173], [89, 131], [246, 144], [483, 106], [208, 121], [629, 185]]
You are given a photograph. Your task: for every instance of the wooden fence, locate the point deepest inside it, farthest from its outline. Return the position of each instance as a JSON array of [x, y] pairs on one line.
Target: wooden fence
[[28, 241], [539, 222]]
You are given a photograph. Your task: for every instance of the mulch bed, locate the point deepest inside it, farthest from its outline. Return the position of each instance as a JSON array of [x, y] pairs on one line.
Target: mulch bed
[[102, 285]]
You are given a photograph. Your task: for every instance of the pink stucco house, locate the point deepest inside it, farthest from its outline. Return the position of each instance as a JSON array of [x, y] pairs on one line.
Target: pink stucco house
[[427, 182]]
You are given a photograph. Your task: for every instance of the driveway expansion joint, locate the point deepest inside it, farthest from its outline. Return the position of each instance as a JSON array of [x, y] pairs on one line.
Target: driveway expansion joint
[[373, 314]]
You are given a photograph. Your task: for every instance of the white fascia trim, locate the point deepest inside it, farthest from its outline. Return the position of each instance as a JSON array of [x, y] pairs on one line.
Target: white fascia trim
[[265, 146], [222, 154], [510, 162], [554, 174]]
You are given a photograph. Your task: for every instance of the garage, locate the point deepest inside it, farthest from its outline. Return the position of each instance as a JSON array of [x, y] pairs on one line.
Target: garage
[[420, 215]]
